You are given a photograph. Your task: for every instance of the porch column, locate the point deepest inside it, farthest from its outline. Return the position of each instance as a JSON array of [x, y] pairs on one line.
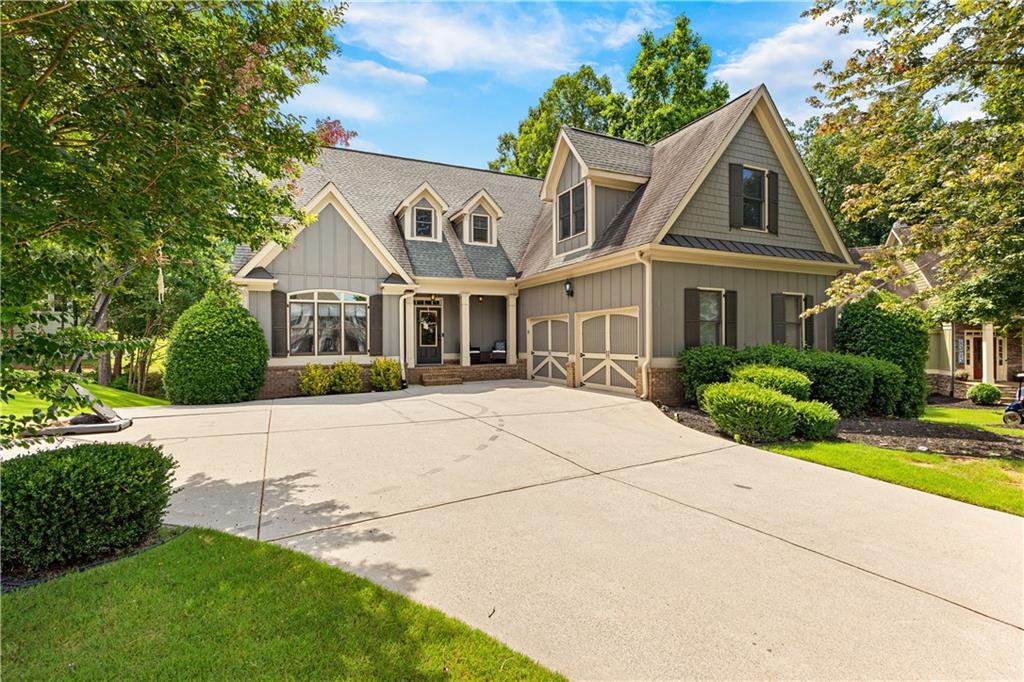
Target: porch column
[[464, 330], [511, 333], [410, 333], [988, 353]]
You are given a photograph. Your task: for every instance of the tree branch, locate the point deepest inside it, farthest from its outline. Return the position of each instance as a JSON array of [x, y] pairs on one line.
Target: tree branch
[[30, 17]]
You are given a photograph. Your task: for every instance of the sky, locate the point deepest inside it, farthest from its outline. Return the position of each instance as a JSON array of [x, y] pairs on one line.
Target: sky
[[440, 81]]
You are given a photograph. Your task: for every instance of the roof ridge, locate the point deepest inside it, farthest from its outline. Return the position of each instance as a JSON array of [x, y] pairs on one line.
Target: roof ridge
[[605, 135], [432, 163], [703, 116]]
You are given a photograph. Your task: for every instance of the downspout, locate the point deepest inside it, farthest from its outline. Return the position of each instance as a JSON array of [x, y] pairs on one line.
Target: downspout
[[401, 329], [645, 260]]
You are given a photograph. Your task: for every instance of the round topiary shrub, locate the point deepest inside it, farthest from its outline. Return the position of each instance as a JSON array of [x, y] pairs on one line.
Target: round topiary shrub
[[345, 377], [704, 365], [216, 354], [385, 374], [314, 380], [984, 394], [76, 504], [789, 381], [815, 420], [750, 413]]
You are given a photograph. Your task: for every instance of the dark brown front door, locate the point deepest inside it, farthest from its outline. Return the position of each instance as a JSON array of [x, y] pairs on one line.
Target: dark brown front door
[[977, 358]]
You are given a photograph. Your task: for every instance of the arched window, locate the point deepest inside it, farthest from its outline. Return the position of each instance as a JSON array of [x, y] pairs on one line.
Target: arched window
[[327, 322]]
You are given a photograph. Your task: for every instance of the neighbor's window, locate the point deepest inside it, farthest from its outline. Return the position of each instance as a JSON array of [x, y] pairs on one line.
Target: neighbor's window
[[572, 211], [481, 229], [710, 318], [316, 326], [793, 305], [424, 222], [753, 198]]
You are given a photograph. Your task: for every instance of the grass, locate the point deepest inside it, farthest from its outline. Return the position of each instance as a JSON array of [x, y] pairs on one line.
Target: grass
[[212, 606], [993, 483], [989, 419], [22, 405]]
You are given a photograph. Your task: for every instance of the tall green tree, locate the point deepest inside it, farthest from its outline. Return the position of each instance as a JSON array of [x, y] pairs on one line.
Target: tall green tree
[[574, 99], [957, 186]]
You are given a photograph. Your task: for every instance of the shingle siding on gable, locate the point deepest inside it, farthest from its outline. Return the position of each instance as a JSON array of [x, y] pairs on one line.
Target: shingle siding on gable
[[707, 214], [570, 174]]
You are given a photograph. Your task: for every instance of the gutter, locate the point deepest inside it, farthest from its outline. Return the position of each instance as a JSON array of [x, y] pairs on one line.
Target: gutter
[[645, 260]]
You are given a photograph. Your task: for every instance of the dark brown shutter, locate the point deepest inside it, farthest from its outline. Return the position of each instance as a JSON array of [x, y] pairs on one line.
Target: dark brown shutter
[[377, 324], [279, 324], [773, 202], [730, 318], [778, 318], [808, 323], [691, 318], [735, 195]]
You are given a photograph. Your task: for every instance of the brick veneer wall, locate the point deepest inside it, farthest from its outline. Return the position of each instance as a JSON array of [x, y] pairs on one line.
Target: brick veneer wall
[[283, 382], [570, 374], [665, 387], [493, 372]]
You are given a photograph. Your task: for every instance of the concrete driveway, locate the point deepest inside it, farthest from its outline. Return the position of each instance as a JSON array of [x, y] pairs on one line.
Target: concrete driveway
[[607, 542]]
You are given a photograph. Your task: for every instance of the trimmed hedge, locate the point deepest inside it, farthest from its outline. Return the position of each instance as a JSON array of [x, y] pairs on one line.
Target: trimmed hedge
[[887, 387], [345, 377], [783, 379], [216, 354], [314, 380], [704, 365], [77, 504], [815, 420], [385, 374], [750, 413], [984, 394]]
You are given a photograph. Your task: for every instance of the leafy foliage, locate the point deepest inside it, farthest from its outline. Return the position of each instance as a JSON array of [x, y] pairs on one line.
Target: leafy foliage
[[385, 374], [314, 380], [750, 413], [886, 388], [345, 377], [815, 420], [704, 365], [782, 379], [76, 504], [216, 354], [843, 381], [984, 394]]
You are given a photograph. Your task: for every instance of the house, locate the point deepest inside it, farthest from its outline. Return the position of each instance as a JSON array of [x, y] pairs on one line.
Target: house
[[979, 352], [596, 275]]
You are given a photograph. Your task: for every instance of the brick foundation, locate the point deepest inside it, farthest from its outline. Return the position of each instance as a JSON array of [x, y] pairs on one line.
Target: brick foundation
[[495, 372], [283, 382], [665, 387], [570, 374]]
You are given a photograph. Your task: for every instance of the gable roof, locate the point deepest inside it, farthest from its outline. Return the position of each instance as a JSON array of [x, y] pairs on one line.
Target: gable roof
[[602, 152]]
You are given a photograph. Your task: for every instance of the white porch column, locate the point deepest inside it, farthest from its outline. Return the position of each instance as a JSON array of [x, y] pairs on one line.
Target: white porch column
[[988, 353], [410, 333], [464, 329], [511, 332]]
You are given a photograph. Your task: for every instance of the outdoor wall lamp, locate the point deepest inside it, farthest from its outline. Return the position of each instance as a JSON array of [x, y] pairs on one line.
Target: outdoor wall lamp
[[568, 288]]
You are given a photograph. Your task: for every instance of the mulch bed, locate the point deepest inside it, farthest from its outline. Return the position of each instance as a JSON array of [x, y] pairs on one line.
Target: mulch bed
[[897, 434]]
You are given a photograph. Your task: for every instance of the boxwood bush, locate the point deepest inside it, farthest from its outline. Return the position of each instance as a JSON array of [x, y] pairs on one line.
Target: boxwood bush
[[76, 504], [815, 420], [783, 379], [984, 394], [704, 365], [750, 413], [887, 387], [385, 374], [345, 377], [216, 354], [314, 380]]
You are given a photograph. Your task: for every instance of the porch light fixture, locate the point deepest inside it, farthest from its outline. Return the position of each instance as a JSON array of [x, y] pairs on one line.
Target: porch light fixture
[[568, 288]]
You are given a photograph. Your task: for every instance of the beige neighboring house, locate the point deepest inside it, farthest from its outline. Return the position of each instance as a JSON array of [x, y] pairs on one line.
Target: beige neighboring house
[[595, 275], [959, 355]]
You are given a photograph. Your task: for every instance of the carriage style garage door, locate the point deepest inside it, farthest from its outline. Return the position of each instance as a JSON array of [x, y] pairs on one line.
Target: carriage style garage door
[[608, 342], [548, 347]]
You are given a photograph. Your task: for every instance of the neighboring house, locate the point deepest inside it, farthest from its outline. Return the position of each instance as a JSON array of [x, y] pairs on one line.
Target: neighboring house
[[979, 352], [598, 274]]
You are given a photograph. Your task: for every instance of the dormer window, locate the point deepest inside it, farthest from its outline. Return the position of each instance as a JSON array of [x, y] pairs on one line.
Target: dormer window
[[424, 223], [481, 229], [572, 212]]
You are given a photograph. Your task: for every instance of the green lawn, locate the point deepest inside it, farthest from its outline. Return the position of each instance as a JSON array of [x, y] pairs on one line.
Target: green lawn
[[989, 419], [993, 483], [23, 405], [211, 606]]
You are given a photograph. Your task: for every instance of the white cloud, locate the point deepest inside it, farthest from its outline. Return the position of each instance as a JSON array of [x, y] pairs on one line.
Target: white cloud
[[320, 99], [375, 71], [616, 34]]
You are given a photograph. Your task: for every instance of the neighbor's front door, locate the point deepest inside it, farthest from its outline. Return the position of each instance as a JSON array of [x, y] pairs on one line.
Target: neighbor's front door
[[428, 336]]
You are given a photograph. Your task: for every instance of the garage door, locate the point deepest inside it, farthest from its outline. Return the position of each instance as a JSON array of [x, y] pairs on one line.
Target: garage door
[[609, 346], [548, 347]]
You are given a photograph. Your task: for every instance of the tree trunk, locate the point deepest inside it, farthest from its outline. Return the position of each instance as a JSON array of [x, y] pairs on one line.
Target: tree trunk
[[119, 357], [103, 374]]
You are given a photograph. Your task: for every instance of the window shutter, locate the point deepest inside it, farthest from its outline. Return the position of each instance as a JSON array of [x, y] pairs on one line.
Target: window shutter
[[778, 318], [691, 318], [376, 321], [730, 319], [278, 324], [773, 202], [735, 195], [808, 323]]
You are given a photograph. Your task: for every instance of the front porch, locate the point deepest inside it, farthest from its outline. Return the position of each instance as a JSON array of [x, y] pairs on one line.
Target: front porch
[[963, 355]]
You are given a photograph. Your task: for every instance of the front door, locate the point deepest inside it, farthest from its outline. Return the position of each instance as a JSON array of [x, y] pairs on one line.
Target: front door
[[976, 355], [428, 335]]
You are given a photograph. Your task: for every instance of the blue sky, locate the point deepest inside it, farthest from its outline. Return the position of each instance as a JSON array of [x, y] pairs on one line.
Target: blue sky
[[441, 81]]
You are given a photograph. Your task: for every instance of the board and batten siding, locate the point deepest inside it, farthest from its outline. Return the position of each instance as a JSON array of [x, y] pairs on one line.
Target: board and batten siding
[[259, 306], [618, 288], [487, 322], [608, 201], [754, 289], [570, 175], [707, 213]]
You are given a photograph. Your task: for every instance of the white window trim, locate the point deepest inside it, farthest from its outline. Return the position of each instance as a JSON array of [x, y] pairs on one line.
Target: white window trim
[[558, 219], [434, 231], [800, 321], [764, 200], [469, 232], [721, 309], [313, 296]]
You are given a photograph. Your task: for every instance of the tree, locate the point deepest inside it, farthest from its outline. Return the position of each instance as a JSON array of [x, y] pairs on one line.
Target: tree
[[957, 186], [138, 131], [574, 99]]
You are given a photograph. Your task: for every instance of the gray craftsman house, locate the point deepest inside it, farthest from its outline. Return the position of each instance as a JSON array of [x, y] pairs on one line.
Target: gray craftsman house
[[596, 275]]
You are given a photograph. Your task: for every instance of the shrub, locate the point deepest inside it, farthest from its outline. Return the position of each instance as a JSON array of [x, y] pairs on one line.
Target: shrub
[[984, 394], [782, 379], [704, 365], [881, 326], [886, 388], [345, 377], [843, 381], [748, 412], [76, 504], [385, 374], [216, 354], [314, 380], [815, 420], [776, 355], [120, 382]]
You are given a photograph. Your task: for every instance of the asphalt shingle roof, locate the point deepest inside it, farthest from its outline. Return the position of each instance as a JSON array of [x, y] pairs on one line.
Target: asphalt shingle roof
[[602, 152]]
